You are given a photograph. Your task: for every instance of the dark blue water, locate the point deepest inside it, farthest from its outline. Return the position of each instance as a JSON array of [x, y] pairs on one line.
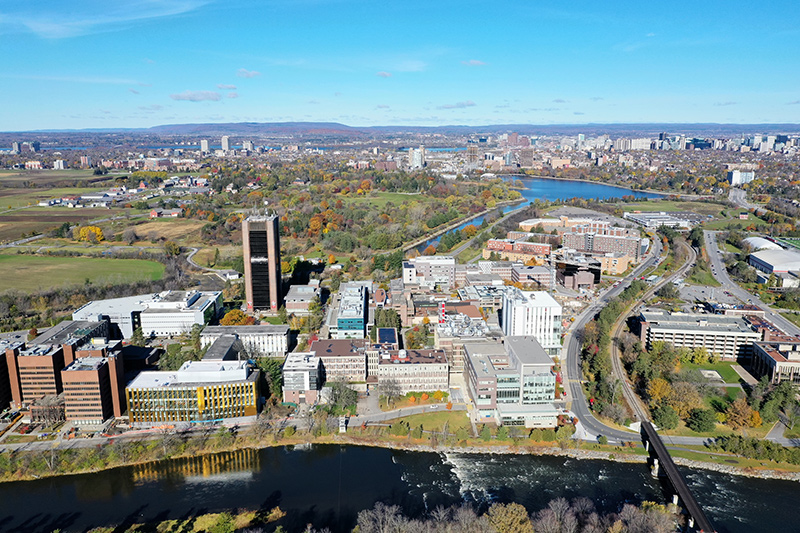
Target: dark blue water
[[328, 485]]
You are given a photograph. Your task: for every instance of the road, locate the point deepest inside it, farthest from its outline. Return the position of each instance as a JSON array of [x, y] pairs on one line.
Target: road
[[571, 356], [721, 274], [739, 197]]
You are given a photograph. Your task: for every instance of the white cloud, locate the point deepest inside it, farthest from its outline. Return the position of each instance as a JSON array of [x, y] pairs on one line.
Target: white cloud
[[134, 91], [384, 74], [458, 105], [473, 63], [725, 104], [233, 95], [244, 73], [197, 96], [383, 106], [226, 87], [70, 19]]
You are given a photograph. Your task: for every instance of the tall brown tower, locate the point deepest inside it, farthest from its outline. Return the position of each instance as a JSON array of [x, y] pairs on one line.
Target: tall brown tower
[[262, 262]]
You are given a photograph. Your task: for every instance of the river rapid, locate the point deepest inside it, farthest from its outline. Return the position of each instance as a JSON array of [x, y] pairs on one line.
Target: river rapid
[[327, 485]]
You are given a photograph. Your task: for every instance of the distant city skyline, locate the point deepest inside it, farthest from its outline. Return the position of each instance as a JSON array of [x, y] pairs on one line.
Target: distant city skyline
[[90, 64]]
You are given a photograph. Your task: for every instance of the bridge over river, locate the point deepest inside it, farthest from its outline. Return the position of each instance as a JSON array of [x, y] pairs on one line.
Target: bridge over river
[[697, 519]]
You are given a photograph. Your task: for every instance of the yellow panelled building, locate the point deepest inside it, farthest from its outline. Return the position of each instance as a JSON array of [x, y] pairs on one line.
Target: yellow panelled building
[[200, 391]]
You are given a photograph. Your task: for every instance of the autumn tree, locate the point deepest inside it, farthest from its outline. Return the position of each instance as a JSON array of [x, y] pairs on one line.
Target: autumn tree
[[684, 398], [172, 248], [92, 234], [659, 390], [236, 317], [509, 518], [738, 414]]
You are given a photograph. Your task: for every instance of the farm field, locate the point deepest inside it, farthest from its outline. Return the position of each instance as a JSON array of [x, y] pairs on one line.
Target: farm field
[[174, 229], [44, 178], [11, 198], [25, 221], [33, 273]]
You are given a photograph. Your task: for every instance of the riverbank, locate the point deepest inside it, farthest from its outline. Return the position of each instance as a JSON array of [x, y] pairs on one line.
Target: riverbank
[[137, 453]]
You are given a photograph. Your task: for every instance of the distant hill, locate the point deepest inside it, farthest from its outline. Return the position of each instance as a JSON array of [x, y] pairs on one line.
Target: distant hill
[[257, 128], [334, 129]]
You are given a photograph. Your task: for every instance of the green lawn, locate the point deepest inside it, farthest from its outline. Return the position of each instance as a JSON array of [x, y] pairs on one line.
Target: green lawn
[[792, 242], [724, 368], [435, 420], [730, 217], [728, 247], [21, 197], [794, 318], [683, 431], [33, 273], [380, 199], [702, 277], [703, 208]]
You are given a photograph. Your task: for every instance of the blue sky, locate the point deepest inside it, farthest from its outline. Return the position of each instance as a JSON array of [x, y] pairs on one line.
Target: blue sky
[[95, 63]]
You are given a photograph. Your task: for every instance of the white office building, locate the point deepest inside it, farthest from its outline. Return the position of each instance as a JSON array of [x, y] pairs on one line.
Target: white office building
[[429, 271], [259, 341], [162, 315], [740, 177], [533, 313]]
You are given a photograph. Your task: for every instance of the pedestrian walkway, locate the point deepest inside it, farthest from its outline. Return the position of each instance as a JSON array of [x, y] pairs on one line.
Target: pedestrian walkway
[[777, 431], [745, 375]]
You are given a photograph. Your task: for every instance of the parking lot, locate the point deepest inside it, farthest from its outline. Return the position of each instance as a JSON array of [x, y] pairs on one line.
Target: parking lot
[[692, 293]]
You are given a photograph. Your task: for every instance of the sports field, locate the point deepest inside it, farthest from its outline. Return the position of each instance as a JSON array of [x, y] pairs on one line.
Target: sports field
[[30, 273]]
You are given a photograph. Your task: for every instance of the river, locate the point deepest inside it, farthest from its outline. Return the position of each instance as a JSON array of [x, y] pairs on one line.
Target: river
[[553, 189], [327, 485]]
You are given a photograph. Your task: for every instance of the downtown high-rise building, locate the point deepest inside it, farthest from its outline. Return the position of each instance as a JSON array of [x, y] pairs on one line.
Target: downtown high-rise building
[[262, 262], [204, 146], [226, 144]]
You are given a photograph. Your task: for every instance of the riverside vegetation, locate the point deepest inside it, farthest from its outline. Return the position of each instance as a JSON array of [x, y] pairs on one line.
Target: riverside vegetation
[[559, 516]]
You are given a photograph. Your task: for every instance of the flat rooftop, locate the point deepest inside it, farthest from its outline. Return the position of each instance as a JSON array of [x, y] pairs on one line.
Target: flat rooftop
[[338, 347], [528, 350], [263, 329], [412, 357], [86, 363], [67, 332], [224, 348], [387, 336], [195, 373], [697, 322], [301, 361]]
